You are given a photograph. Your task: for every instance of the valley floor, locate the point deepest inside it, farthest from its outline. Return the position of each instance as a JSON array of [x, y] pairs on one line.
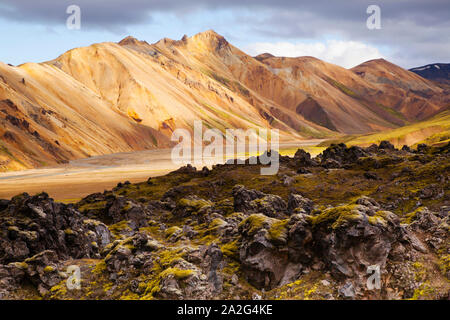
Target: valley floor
[[71, 182]]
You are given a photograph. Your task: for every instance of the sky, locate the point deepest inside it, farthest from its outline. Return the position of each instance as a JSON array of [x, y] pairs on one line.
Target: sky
[[412, 32]]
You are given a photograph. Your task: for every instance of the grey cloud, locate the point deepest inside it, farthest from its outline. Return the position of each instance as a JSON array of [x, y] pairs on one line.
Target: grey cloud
[[103, 12], [415, 33], [413, 28]]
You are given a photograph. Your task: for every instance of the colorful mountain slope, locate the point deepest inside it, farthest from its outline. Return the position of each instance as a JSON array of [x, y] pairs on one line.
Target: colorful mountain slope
[[131, 95]]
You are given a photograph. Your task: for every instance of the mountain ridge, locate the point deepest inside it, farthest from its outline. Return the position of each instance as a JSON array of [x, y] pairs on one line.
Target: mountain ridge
[[131, 95]]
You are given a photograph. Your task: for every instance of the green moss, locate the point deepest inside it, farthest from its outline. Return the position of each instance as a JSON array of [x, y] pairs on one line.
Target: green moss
[[69, 232], [92, 206], [231, 268], [231, 85], [444, 264], [309, 292], [168, 257], [118, 228], [278, 230], [392, 111], [128, 295], [438, 138], [154, 140], [225, 206], [99, 268], [179, 274], [196, 204], [254, 223], [379, 217], [305, 288], [410, 217], [129, 246], [206, 239], [216, 223], [208, 233], [154, 231], [343, 88], [231, 249], [13, 228], [171, 231], [127, 207], [92, 222], [59, 290], [336, 216], [20, 265], [48, 269], [425, 291], [420, 272], [107, 286], [152, 286]]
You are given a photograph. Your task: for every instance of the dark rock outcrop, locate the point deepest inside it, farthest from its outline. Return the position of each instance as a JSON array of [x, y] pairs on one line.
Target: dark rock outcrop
[[297, 202], [303, 159], [254, 201], [344, 240], [386, 145], [30, 225], [338, 155]]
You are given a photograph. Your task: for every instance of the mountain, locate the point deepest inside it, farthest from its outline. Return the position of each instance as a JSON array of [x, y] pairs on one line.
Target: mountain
[[336, 96], [439, 72], [131, 95], [48, 117], [413, 96]]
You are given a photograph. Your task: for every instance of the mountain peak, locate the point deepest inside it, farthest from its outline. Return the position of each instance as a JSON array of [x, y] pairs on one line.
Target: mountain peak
[[130, 40], [263, 56], [209, 33], [211, 39], [379, 61]]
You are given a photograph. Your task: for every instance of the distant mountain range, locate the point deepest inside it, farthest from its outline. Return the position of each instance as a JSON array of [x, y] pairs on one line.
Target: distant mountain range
[[439, 72], [131, 95]]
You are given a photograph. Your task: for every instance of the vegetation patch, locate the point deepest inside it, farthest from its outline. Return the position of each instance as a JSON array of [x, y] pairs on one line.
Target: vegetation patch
[[337, 216]]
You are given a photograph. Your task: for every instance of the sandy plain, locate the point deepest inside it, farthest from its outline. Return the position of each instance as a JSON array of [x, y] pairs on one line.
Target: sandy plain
[[70, 182]]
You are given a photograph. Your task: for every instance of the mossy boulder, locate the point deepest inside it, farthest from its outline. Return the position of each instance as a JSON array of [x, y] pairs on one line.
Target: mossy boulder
[[254, 201], [194, 207]]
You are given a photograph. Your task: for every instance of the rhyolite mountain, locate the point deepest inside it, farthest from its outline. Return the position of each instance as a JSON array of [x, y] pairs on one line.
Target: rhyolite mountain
[[131, 95]]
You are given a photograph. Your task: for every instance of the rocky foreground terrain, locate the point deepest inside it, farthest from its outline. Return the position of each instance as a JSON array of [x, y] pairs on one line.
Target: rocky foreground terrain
[[309, 232]]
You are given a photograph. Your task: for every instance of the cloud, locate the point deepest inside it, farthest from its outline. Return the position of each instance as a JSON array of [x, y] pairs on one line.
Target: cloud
[[412, 32], [117, 12], [415, 30], [344, 53]]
